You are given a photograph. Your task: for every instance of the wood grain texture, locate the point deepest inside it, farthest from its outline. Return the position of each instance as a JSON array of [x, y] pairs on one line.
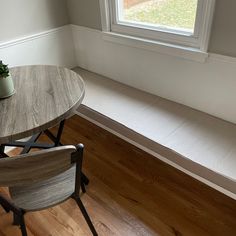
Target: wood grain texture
[[130, 193], [45, 95], [44, 194], [32, 168]]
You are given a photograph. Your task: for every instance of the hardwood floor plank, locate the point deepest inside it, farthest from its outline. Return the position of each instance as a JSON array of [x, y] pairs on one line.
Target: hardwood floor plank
[[130, 193]]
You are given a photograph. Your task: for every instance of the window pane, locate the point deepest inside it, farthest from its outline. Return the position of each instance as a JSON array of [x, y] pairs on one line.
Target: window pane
[[177, 14]]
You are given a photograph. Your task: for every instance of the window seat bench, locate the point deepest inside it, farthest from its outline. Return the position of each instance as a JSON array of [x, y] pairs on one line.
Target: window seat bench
[[198, 144]]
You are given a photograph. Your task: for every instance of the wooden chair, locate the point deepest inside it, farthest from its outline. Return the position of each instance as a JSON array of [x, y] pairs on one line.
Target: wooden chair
[[41, 180]]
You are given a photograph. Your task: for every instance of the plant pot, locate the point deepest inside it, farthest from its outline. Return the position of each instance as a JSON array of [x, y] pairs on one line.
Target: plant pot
[[6, 87]]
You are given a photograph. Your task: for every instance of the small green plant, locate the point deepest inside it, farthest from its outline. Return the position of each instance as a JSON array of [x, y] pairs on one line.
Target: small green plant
[[4, 70]]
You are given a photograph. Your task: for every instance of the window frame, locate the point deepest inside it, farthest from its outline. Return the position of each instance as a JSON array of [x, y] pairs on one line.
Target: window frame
[[198, 41]]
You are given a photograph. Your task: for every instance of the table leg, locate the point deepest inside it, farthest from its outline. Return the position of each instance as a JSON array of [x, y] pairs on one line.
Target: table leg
[[28, 145], [56, 139], [32, 142]]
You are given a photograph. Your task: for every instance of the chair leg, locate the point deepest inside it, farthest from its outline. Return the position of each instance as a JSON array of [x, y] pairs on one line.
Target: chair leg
[[83, 187], [3, 203], [16, 219], [2, 153], [5, 208], [86, 216], [18, 214], [22, 226], [84, 181]]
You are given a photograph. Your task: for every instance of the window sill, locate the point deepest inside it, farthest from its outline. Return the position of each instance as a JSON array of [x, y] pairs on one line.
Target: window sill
[[156, 46]]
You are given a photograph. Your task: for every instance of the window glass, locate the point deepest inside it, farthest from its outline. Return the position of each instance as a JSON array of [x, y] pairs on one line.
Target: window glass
[[166, 14]]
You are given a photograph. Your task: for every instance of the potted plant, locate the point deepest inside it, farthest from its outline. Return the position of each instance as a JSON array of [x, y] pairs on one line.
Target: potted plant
[[6, 83]]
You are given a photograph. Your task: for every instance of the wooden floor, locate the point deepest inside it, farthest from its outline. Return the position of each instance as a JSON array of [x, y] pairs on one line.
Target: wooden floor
[[130, 193]]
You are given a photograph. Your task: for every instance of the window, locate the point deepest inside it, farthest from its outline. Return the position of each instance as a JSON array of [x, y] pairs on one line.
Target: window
[[183, 23]]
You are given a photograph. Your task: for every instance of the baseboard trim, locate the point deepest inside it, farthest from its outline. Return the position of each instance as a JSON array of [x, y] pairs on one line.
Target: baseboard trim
[[164, 154]]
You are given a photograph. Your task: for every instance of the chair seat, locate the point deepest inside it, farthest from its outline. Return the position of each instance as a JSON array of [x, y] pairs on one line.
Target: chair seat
[[46, 193]]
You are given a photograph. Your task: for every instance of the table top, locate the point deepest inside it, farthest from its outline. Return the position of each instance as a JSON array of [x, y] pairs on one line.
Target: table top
[[45, 95]]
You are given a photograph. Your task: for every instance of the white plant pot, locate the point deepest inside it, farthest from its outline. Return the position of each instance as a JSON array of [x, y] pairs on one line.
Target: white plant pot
[[6, 87]]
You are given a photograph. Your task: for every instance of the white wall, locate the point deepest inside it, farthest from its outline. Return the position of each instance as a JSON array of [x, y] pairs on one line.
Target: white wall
[[209, 87], [53, 47], [25, 17], [35, 32]]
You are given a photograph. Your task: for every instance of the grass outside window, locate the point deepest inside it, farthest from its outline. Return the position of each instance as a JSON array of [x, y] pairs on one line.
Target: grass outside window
[[171, 13]]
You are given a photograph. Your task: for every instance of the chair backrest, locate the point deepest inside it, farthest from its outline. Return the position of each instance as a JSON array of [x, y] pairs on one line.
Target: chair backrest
[[37, 166]]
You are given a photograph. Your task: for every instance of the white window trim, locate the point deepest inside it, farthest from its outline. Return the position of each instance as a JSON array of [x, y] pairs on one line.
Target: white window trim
[[193, 49]]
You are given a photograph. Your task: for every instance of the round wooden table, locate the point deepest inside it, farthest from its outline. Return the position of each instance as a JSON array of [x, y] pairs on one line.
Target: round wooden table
[[45, 96]]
